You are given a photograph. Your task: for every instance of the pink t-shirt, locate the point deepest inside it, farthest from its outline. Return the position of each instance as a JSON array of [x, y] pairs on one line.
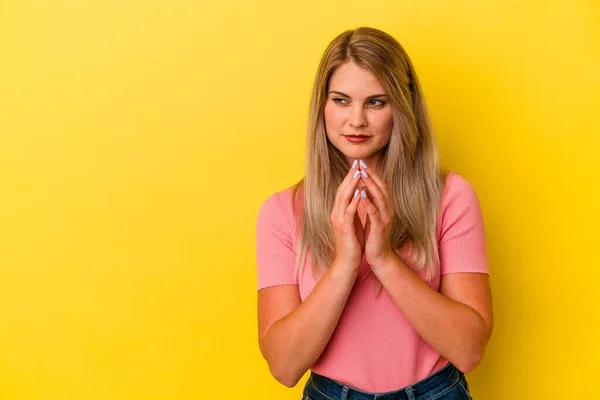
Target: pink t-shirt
[[374, 348]]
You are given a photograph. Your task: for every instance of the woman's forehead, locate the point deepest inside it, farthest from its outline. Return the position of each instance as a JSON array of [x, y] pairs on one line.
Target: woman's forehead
[[355, 81]]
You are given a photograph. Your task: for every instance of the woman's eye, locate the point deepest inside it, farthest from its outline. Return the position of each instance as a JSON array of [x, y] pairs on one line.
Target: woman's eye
[[372, 102], [376, 103]]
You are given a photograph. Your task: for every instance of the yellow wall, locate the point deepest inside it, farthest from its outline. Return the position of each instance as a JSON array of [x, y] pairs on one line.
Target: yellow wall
[[139, 138]]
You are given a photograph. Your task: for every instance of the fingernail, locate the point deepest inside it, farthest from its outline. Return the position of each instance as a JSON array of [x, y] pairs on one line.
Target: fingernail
[[363, 194], [354, 164], [363, 173], [362, 164], [356, 174], [356, 193]]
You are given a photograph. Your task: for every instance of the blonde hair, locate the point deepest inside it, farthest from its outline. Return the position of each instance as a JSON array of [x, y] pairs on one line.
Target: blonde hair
[[410, 160]]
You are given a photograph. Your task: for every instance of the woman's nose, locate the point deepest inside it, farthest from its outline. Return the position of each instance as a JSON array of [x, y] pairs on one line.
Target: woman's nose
[[357, 116]]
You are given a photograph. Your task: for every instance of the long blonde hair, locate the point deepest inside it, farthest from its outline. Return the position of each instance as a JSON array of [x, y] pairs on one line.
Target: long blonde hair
[[410, 160]]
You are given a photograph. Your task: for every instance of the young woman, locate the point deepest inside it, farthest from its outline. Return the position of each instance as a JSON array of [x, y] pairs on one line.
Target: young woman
[[372, 270]]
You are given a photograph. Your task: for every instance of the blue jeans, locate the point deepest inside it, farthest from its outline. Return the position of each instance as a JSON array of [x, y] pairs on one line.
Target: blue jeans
[[446, 384]]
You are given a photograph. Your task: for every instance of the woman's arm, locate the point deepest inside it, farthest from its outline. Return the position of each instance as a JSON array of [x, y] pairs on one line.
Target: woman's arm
[[293, 334], [457, 321]]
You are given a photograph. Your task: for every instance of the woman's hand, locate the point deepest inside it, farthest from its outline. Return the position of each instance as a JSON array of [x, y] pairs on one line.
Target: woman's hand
[[378, 225], [347, 228]]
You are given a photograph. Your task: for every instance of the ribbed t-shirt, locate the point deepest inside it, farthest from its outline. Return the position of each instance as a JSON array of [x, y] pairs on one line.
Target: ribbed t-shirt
[[374, 347]]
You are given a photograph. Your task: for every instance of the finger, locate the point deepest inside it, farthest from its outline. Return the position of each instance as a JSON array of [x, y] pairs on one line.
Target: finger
[[358, 228], [373, 213], [350, 212], [343, 184], [349, 176], [346, 189], [380, 184], [359, 231], [377, 195]]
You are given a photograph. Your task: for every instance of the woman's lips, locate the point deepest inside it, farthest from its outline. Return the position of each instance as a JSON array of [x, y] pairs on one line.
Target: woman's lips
[[357, 139]]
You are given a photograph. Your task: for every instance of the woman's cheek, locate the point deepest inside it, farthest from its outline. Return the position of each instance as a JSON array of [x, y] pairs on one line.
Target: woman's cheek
[[387, 121], [332, 118]]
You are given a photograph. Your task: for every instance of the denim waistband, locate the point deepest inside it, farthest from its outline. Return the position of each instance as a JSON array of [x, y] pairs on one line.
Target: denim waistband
[[438, 382]]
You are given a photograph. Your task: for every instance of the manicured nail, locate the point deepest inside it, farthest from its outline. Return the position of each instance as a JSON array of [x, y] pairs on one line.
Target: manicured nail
[[363, 194], [356, 193], [362, 164], [354, 164], [356, 174], [363, 173]]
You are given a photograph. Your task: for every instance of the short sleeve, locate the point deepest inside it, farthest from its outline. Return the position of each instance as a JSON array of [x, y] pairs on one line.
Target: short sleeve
[[462, 244], [275, 255]]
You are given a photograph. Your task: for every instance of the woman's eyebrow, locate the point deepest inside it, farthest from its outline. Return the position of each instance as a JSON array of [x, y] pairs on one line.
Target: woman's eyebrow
[[345, 95]]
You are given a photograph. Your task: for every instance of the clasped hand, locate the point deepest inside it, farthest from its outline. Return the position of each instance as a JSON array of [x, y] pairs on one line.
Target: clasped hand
[[352, 239]]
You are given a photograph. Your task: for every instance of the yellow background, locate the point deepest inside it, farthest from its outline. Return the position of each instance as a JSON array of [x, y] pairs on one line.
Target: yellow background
[[138, 140]]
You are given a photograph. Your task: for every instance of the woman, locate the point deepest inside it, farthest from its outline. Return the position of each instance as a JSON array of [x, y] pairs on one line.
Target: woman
[[372, 270]]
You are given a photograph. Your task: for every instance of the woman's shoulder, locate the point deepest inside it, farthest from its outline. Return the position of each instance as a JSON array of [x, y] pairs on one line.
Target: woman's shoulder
[[456, 185], [280, 202], [458, 196]]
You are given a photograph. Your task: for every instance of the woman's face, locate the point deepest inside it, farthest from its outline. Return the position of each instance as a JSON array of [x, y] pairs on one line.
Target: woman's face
[[357, 104]]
